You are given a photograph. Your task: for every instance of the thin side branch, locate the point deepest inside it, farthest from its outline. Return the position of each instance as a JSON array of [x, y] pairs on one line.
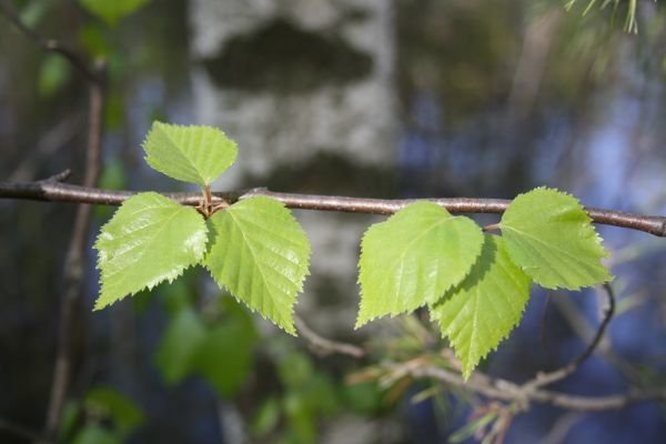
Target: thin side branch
[[325, 345], [500, 389], [543, 379], [76, 252], [60, 192], [95, 74]]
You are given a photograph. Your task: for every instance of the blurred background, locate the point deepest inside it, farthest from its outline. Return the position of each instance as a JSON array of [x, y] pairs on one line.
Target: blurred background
[[372, 98]]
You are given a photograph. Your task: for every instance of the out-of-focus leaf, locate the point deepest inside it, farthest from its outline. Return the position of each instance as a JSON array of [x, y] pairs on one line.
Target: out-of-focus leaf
[[180, 294], [68, 420], [112, 404], [320, 395], [53, 74], [363, 397], [112, 177], [225, 357], [267, 417], [301, 419], [180, 343], [112, 11], [94, 40], [114, 113], [295, 369], [94, 434]]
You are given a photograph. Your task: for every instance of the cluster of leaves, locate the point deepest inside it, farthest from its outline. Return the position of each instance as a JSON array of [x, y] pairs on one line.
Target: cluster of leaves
[[254, 248], [475, 285]]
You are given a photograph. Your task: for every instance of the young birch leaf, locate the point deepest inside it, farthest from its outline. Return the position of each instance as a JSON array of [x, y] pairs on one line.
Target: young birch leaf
[[549, 235], [148, 240], [412, 258], [196, 154], [478, 314], [261, 255]]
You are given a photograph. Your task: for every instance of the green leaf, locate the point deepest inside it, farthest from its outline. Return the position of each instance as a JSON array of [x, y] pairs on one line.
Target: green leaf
[[267, 418], [196, 154], [96, 434], [412, 258], [69, 421], [261, 255], [112, 11], [478, 314], [549, 235], [178, 348], [53, 75], [110, 403], [295, 369], [301, 419], [150, 239], [225, 357]]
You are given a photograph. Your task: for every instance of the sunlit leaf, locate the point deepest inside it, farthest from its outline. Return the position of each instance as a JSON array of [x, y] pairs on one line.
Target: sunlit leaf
[[412, 258], [150, 239], [549, 235], [196, 154], [261, 255], [477, 315]]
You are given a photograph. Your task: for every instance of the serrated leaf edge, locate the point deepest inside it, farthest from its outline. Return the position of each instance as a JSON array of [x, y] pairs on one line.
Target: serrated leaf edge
[[299, 286], [157, 125], [469, 368], [169, 277], [598, 240]]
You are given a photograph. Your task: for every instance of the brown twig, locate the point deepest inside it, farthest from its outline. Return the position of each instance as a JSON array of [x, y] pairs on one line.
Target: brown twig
[[325, 345], [500, 389], [74, 263], [543, 379], [60, 192]]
